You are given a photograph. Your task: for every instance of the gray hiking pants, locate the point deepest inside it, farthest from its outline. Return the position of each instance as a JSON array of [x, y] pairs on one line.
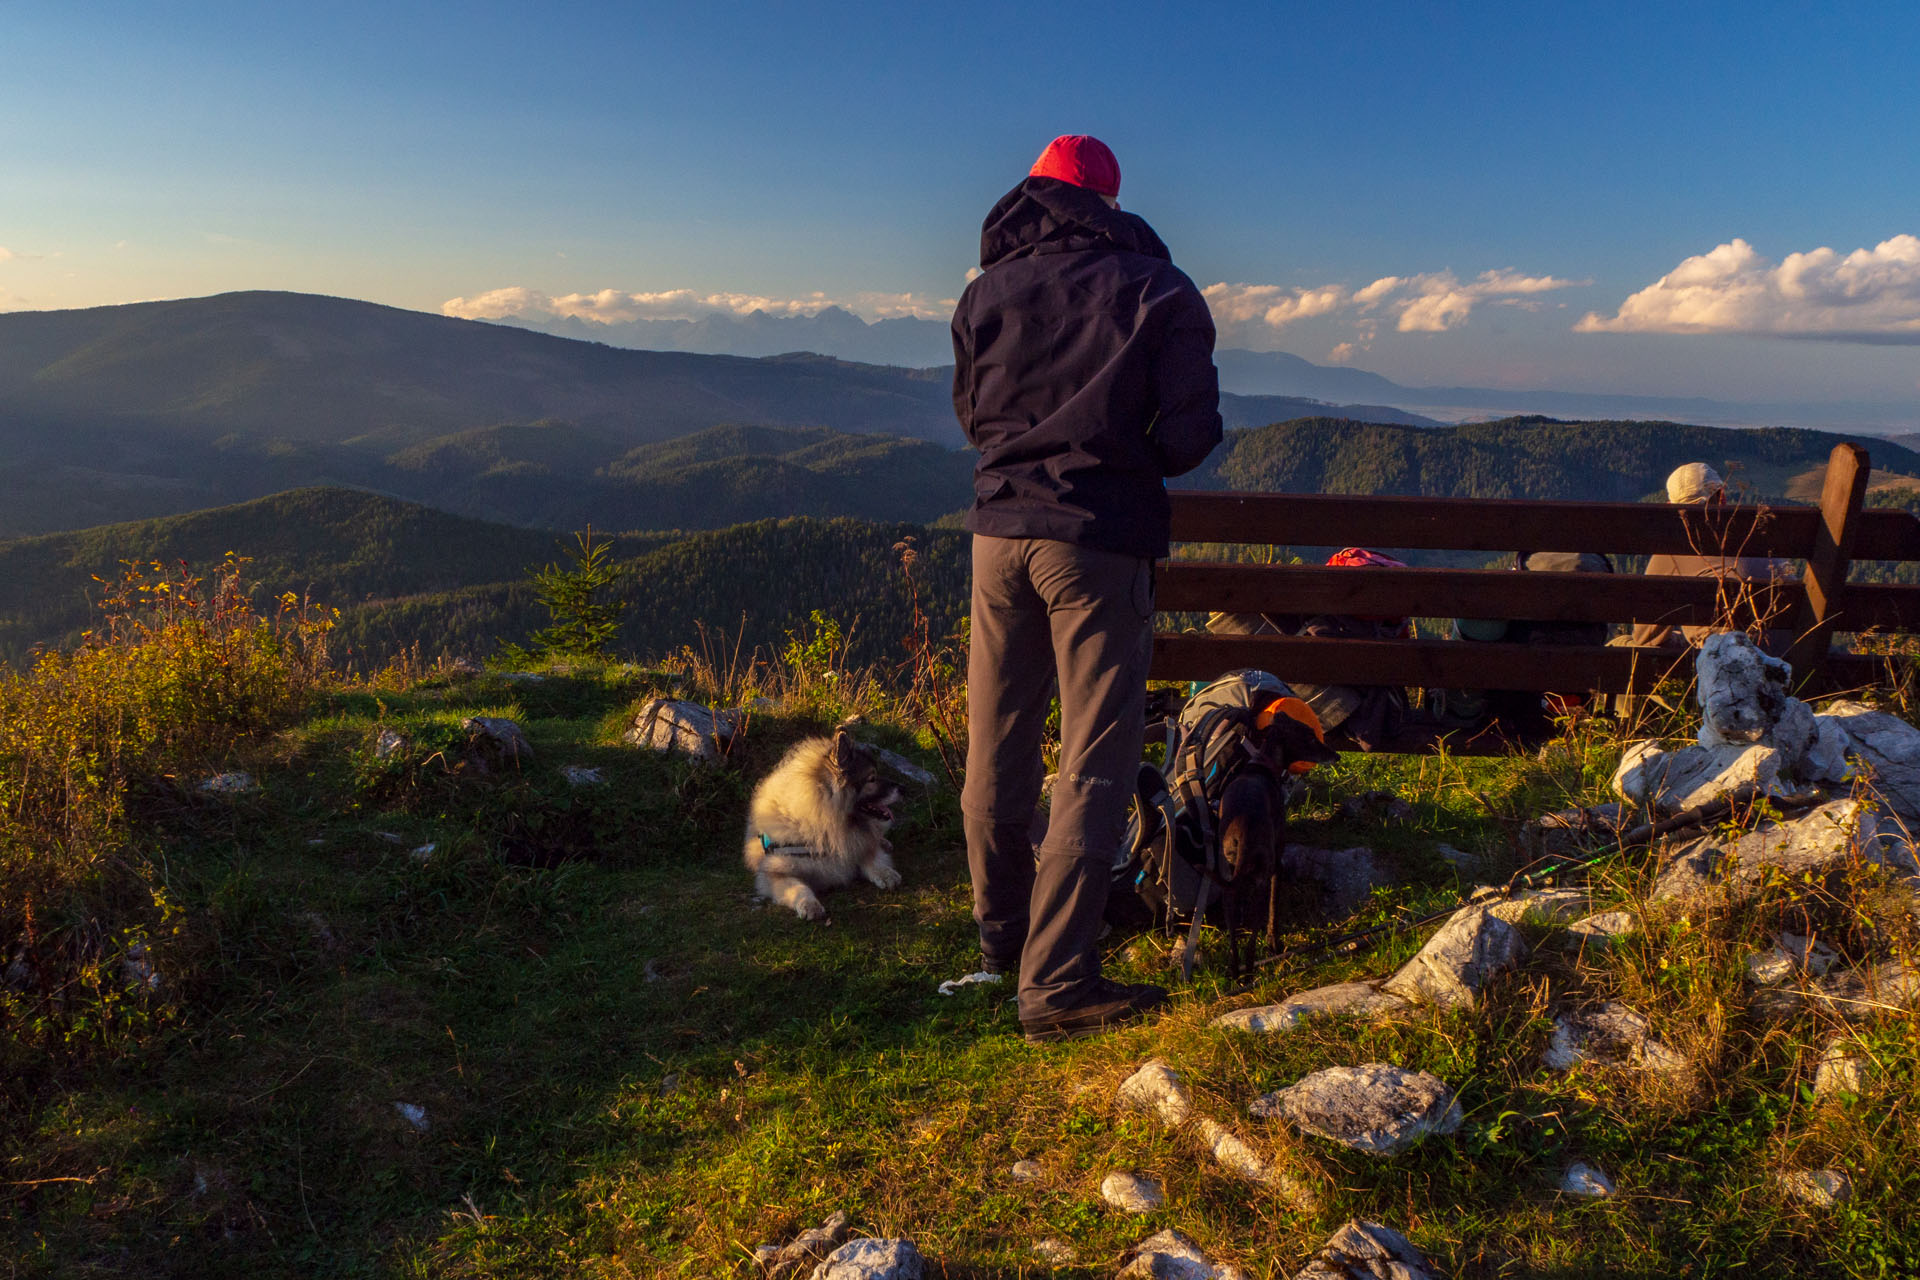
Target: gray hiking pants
[[1044, 610]]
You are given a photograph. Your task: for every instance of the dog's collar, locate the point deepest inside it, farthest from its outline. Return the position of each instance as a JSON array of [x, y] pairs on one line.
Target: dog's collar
[[766, 842]]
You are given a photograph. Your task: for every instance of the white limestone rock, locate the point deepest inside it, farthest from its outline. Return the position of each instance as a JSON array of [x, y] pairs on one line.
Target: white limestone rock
[[415, 1115], [1601, 927], [1742, 692], [1055, 1252], [1842, 1069], [1158, 1090], [1609, 1035], [228, 784], [1367, 1251], [1169, 1255], [1025, 1171], [1814, 843], [1131, 1193], [387, 744], [1826, 755], [1470, 950], [1669, 781], [1791, 954], [871, 1259], [1362, 998], [1815, 1188], [1376, 1108], [674, 725], [580, 775], [1583, 1179], [1888, 748], [782, 1261], [496, 743], [1553, 906]]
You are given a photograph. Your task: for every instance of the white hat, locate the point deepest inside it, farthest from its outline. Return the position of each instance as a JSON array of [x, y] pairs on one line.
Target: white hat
[[1695, 482]]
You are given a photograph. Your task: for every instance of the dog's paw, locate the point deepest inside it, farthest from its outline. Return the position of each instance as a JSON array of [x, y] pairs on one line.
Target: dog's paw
[[884, 877], [811, 910]]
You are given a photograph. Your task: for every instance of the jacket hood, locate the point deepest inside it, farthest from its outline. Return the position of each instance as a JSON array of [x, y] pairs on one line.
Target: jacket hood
[[1046, 215]]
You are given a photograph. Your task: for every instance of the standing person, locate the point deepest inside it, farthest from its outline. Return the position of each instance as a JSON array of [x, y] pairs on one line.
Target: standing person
[[1083, 373]]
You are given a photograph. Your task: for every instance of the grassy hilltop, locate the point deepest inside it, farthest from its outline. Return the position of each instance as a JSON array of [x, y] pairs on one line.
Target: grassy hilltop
[[629, 1069]]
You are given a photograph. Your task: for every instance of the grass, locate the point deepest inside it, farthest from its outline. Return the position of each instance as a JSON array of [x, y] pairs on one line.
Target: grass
[[629, 1069]]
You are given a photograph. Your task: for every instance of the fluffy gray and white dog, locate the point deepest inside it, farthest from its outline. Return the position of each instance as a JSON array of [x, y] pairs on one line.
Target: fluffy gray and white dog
[[818, 822]]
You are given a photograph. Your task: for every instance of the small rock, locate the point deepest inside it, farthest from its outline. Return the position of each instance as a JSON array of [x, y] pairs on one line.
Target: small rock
[[674, 725], [1817, 1188], [496, 743], [1461, 861], [137, 968], [1158, 1089], [579, 775], [901, 765], [1361, 998], [1609, 1035], [1471, 949], [1367, 1251], [1242, 1161], [1852, 995], [1342, 879], [1603, 926], [1169, 1255], [1582, 1179], [414, 1114], [1841, 1070], [422, 854], [228, 784], [388, 744], [1383, 805], [1791, 954], [873, 1260], [389, 836], [1055, 1253], [1025, 1170], [1130, 1193], [523, 677], [1376, 1108], [804, 1249]]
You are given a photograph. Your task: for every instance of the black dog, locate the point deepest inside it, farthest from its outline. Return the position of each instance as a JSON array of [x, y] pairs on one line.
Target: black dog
[[1251, 828]]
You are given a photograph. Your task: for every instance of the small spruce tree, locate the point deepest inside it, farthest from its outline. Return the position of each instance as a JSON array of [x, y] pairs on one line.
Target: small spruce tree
[[586, 617]]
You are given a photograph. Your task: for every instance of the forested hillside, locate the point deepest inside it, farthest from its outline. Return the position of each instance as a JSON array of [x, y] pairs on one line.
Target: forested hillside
[[403, 575]]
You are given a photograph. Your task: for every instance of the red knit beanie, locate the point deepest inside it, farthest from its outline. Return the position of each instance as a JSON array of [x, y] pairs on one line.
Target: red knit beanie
[[1081, 160]]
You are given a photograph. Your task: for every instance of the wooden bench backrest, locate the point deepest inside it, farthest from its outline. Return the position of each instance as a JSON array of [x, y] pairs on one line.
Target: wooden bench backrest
[[1828, 538]]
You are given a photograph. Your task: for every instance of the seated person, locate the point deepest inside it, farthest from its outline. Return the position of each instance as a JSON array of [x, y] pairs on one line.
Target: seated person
[[1366, 715], [1698, 482]]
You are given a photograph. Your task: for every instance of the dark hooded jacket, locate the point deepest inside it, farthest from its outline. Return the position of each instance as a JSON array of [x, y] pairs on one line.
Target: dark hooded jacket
[[1083, 373]]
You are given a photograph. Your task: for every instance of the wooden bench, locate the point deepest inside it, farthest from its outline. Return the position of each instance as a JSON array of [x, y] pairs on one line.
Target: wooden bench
[[1829, 538]]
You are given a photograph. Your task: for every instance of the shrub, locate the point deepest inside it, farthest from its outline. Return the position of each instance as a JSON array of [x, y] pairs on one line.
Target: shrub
[[180, 672]]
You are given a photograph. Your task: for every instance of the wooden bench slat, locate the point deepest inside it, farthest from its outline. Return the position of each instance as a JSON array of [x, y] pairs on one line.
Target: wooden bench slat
[[1464, 593], [1480, 524], [1427, 664]]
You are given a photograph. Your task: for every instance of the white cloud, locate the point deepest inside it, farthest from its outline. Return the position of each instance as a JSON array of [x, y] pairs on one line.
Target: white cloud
[[1428, 303], [611, 306], [1342, 353], [1869, 295]]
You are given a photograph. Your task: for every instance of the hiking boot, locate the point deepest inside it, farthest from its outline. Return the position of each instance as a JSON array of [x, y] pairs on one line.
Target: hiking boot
[[1107, 1006]]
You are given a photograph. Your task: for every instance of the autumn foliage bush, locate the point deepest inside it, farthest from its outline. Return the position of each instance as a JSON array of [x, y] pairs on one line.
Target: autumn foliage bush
[[181, 673]]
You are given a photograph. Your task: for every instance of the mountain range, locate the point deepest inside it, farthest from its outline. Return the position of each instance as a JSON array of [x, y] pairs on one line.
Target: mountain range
[[114, 413], [837, 332]]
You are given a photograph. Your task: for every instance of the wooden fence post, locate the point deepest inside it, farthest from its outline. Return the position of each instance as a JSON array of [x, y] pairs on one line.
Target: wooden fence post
[[1829, 559]]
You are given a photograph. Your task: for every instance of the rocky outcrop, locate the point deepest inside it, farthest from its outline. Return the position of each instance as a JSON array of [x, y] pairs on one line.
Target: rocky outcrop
[[873, 1260], [495, 744], [1814, 843]]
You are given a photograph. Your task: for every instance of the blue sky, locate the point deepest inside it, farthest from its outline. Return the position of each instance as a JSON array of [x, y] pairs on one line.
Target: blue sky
[[1514, 168]]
